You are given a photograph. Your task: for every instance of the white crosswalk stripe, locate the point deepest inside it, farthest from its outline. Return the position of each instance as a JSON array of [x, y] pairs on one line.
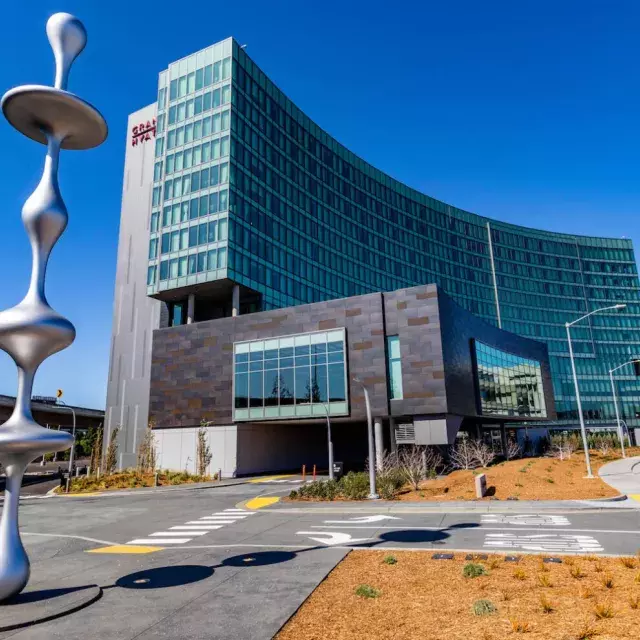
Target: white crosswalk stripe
[[152, 541], [178, 533]]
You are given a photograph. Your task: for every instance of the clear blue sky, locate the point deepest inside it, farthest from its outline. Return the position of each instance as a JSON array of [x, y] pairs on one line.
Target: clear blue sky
[[522, 111]]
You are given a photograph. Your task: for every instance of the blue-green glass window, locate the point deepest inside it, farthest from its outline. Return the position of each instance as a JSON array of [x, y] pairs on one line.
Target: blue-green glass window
[[154, 221], [508, 384], [208, 75], [151, 275], [289, 376], [394, 364], [153, 248]]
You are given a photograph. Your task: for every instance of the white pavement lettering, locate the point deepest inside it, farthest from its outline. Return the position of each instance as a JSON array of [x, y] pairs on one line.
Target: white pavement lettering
[[331, 538], [527, 519], [543, 542], [362, 520]]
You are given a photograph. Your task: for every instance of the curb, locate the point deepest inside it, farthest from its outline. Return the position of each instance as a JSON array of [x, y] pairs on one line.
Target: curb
[[143, 490]]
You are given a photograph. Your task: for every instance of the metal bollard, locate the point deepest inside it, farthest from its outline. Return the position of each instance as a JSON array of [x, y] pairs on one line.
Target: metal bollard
[[219, 475], [155, 479], [304, 471], [77, 472], [314, 472]]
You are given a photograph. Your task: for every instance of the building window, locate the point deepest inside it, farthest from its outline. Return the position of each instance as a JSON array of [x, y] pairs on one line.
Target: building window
[[294, 376], [395, 367], [509, 385]]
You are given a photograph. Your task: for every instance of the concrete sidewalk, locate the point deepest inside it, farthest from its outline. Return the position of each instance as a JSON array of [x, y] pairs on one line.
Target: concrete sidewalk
[[623, 475]]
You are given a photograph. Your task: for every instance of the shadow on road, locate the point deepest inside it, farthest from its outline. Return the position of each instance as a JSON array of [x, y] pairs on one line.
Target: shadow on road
[[29, 597], [164, 577]]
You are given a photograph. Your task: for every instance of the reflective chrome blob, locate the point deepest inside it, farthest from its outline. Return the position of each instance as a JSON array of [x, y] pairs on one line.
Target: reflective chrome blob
[[32, 331]]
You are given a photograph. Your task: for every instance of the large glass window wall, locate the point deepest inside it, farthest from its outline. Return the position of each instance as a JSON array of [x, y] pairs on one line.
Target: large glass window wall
[[302, 375], [311, 221], [508, 385]]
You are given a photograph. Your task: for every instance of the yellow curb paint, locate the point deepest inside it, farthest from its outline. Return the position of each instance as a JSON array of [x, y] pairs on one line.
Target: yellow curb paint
[[80, 495], [125, 548], [258, 503], [635, 496], [269, 478]]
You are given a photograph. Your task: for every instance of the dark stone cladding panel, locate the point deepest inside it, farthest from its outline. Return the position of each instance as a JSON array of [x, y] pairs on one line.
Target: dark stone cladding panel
[[192, 367], [413, 315], [459, 329]]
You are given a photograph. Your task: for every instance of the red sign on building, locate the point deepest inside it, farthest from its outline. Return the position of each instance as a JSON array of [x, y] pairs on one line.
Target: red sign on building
[[143, 132]]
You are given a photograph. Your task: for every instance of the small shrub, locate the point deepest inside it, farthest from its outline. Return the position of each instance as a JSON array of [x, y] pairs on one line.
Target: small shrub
[[390, 560], [603, 610], [607, 581], [354, 486], [586, 593], [519, 626], [543, 580], [634, 602], [576, 572], [550, 480], [366, 591], [637, 578], [484, 608], [506, 595], [520, 574], [387, 486], [598, 567], [542, 567], [473, 570], [629, 563], [587, 631], [547, 607], [494, 563]]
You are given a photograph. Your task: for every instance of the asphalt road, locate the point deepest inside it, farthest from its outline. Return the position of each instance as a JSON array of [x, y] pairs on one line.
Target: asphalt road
[[211, 568]]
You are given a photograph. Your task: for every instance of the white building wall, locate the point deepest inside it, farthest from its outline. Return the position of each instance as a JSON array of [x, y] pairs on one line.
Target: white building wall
[[135, 316], [244, 449], [176, 449]]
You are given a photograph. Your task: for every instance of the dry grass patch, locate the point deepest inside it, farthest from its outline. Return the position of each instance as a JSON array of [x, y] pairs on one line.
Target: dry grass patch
[[132, 479], [432, 599], [533, 479]]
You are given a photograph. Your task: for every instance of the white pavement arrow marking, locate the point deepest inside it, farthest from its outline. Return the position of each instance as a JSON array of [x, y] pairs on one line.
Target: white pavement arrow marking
[[362, 520], [331, 538]]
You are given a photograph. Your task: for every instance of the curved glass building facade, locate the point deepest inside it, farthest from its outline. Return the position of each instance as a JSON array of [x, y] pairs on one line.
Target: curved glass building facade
[[292, 216]]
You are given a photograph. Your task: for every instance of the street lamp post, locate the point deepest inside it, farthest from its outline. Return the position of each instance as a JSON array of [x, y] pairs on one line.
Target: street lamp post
[[583, 430], [329, 442], [372, 458], [615, 403], [73, 446]]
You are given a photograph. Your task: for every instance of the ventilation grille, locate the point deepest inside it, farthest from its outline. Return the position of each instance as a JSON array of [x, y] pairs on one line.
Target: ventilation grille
[[405, 433]]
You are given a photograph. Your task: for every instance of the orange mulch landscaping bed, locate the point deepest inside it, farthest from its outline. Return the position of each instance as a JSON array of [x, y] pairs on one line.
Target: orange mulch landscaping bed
[[525, 479], [418, 597]]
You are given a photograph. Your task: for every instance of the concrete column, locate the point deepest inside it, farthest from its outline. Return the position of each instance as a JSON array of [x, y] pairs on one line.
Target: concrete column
[[392, 435], [191, 308], [235, 300], [377, 430]]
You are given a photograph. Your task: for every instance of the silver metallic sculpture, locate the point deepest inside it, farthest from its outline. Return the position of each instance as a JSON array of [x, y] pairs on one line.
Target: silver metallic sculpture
[[32, 331]]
